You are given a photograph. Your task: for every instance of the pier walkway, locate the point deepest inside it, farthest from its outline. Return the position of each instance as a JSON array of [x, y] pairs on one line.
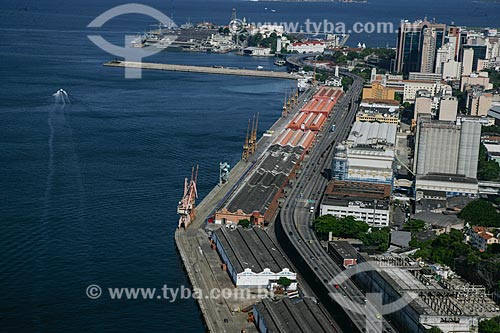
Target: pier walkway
[[202, 69], [203, 264]]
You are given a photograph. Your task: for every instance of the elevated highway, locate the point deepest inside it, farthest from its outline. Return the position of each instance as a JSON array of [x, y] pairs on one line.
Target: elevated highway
[[294, 227]]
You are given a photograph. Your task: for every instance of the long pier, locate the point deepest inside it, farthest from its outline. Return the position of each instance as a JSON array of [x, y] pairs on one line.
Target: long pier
[[201, 69], [203, 264]]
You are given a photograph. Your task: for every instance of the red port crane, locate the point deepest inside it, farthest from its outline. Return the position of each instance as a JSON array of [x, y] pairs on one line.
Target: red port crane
[[186, 207]]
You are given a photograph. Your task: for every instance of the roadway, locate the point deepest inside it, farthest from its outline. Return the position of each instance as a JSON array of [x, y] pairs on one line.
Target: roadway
[[296, 218]]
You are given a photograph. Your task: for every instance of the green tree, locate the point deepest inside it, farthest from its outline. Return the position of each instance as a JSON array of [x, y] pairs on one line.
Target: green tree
[[244, 223], [434, 329], [491, 129], [284, 282], [255, 40], [490, 325], [487, 170], [377, 237], [347, 227], [481, 212], [445, 248]]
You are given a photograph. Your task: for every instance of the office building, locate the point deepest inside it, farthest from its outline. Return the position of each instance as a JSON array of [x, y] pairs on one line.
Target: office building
[[421, 76], [412, 87], [378, 91], [448, 108], [423, 103], [452, 70], [467, 62], [417, 45], [478, 102], [428, 50], [367, 202], [479, 52]]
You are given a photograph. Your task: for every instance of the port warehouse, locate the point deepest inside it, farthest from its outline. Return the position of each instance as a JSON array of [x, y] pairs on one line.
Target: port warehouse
[[251, 258], [259, 195], [292, 315]]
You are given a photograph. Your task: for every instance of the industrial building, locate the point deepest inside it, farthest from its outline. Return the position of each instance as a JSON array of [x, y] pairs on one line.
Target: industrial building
[[367, 154], [444, 147], [445, 185], [440, 298], [258, 196], [251, 258], [292, 315], [367, 202], [343, 253], [256, 199]]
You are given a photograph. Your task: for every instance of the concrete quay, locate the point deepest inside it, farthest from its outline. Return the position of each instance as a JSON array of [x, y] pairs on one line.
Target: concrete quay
[[201, 69], [202, 263]]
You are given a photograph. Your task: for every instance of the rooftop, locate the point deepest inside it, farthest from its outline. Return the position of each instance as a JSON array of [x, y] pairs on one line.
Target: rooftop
[[269, 175], [438, 220], [329, 93], [492, 149], [356, 189], [299, 315], [362, 202], [372, 133], [444, 177], [251, 248], [343, 248]]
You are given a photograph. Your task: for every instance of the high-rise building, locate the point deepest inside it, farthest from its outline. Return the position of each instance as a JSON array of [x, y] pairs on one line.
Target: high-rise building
[[418, 43], [467, 61], [479, 53], [423, 103], [428, 51], [446, 148], [448, 108]]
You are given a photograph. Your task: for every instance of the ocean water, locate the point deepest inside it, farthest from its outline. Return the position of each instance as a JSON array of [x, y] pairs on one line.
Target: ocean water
[[89, 189]]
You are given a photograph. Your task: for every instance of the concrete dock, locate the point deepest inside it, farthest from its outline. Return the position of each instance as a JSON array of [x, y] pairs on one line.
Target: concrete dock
[[203, 264], [202, 69]]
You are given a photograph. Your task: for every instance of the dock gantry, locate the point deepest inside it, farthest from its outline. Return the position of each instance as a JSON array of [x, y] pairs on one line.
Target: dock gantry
[[186, 207], [250, 145]]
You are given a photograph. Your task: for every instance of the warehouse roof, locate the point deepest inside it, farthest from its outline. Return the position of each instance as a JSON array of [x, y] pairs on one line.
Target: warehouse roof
[[257, 191], [364, 133], [251, 248], [299, 315]]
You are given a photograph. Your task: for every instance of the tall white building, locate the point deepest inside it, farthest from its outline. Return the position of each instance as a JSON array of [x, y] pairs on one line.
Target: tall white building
[[367, 154]]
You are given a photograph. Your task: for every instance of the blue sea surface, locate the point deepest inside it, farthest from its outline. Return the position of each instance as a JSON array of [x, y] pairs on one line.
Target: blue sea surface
[[89, 189]]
